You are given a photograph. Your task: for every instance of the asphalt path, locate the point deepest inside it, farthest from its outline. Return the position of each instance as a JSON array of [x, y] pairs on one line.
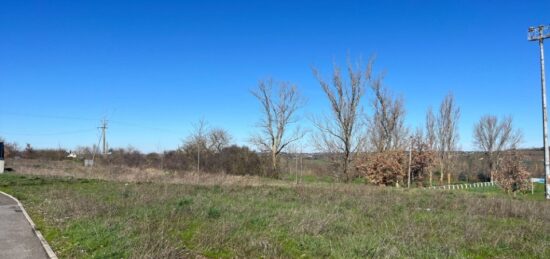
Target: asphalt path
[[17, 239]]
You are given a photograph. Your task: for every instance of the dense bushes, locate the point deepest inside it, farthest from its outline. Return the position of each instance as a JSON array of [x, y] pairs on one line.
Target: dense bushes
[[240, 161], [231, 160], [213, 157], [511, 175], [11, 150], [390, 167], [383, 168]]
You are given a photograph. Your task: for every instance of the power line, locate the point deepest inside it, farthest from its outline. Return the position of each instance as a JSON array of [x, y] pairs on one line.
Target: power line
[[46, 116], [49, 134], [130, 124]]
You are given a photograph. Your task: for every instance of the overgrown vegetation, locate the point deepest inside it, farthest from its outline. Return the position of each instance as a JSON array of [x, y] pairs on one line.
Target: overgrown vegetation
[[512, 175], [100, 219], [344, 140], [384, 168]]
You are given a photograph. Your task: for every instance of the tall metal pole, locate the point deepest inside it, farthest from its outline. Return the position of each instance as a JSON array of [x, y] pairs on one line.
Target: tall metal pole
[[539, 35], [544, 117]]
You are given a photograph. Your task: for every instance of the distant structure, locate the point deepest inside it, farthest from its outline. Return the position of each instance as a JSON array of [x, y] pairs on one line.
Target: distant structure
[[539, 34], [71, 155], [88, 162]]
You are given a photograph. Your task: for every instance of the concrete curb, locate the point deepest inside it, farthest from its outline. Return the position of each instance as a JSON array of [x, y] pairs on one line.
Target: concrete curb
[[43, 241]]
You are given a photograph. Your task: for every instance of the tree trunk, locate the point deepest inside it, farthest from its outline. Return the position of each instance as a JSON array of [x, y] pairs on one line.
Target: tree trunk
[[441, 173], [273, 164], [491, 170], [345, 170]]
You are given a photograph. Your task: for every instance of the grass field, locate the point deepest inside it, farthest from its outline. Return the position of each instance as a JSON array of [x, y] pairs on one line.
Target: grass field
[[107, 219]]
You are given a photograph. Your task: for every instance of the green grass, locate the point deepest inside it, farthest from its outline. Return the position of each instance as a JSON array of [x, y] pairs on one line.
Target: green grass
[[538, 193], [101, 219]]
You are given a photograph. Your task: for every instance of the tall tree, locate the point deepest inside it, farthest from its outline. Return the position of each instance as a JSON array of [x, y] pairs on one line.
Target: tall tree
[[447, 133], [340, 133], [387, 129], [431, 137], [278, 113], [493, 136]]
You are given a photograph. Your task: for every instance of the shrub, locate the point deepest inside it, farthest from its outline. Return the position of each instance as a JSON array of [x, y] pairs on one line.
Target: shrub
[[383, 168], [422, 160], [512, 176], [11, 150], [240, 161]]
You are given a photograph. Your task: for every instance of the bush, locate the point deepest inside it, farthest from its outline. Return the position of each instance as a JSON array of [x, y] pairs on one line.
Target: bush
[[422, 160], [240, 161], [512, 176], [173, 160], [383, 168]]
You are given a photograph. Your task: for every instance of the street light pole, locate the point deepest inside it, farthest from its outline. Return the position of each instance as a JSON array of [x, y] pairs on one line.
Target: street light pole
[[539, 34]]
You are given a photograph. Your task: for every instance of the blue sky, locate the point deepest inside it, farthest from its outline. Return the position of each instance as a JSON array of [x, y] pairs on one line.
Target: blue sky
[[153, 68]]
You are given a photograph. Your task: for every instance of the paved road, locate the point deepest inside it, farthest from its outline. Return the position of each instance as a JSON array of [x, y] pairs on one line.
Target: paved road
[[17, 239]]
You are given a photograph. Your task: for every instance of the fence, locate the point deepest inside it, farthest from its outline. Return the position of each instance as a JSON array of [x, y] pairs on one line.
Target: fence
[[463, 186]]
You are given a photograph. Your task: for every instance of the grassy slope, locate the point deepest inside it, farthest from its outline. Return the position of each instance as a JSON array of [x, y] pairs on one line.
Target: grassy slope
[[92, 218]]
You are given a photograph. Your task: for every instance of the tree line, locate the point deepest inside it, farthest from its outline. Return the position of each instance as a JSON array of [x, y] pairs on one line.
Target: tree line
[[363, 135], [373, 145]]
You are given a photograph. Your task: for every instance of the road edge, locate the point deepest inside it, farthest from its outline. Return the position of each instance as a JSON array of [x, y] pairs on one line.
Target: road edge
[[47, 248]]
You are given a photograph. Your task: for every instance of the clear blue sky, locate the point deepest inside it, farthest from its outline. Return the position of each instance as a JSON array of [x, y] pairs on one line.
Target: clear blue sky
[[153, 68]]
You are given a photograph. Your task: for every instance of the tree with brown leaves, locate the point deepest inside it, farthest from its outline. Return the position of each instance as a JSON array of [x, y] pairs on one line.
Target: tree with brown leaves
[[384, 168], [512, 176]]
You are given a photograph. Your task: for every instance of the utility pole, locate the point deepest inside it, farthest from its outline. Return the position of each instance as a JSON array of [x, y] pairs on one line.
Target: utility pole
[[539, 34], [103, 128]]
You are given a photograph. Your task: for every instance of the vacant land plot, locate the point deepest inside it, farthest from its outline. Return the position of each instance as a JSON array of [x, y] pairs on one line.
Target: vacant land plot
[[94, 218]]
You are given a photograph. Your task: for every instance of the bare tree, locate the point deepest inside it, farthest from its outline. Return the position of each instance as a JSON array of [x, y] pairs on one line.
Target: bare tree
[[447, 133], [423, 156], [431, 137], [387, 129], [218, 139], [493, 137], [279, 112], [203, 142], [340, 133], [198, 140]]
